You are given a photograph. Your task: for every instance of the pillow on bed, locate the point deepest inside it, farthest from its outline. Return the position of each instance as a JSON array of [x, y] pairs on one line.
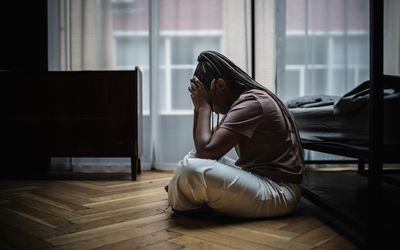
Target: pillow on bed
[[359, 97]]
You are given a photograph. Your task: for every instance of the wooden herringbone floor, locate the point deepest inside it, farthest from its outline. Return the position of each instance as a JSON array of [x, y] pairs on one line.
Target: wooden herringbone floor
[[104, 214]]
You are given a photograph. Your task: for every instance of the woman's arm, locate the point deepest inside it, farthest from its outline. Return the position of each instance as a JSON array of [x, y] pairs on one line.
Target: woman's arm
[[195, 119], [202, 133], [208, 145]]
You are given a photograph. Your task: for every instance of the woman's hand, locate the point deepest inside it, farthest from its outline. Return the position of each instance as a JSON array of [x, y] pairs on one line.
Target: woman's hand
[[198, 93]]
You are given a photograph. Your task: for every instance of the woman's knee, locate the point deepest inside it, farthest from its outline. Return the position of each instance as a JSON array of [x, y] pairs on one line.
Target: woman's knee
[[188, 174]]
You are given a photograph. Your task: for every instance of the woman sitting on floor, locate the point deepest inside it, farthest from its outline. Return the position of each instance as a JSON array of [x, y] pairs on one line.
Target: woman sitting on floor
[[265, 180]]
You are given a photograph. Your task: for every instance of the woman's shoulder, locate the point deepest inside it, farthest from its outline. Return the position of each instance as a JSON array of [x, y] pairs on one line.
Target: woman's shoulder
[[257, 96], [254, 94]]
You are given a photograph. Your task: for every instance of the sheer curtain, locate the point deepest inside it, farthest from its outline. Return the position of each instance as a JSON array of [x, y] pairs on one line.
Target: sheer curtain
[[322, 48], [163, 38]]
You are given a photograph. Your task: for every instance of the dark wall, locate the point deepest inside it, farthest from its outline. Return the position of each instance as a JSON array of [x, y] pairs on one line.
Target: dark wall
[[23, 27], [23, 47]]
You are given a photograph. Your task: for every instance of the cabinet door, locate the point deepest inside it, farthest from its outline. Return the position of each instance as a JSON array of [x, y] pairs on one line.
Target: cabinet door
[[94, 113]]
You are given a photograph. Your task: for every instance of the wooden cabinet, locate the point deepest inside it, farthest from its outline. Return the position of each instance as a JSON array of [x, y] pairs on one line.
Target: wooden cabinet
[[71, 114]]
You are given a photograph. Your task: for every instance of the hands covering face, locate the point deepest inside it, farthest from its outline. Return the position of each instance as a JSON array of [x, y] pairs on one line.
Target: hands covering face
[[198, 93]]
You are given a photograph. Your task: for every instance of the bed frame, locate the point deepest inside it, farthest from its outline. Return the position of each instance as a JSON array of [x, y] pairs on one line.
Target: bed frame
[[375, 154]]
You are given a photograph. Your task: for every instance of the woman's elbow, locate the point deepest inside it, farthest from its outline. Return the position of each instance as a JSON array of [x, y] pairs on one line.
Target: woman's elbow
[[205, 153]]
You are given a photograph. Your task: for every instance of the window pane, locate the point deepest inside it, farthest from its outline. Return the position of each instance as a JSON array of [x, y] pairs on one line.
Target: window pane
[[161, 50], [129, 15], [338, 50], [132, 50], [339, 80], [186, 49], [317, 84], [295, 48], [363, 74], [180, 95], [353, 48], [358, 51], [292, 87], [318, 49]]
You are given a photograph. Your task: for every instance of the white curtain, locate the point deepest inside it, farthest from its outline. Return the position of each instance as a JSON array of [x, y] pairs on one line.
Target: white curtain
[[322, 48], [163, 38]]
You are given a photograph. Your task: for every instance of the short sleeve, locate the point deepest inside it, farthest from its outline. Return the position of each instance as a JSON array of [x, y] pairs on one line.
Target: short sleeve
[[244, 117]]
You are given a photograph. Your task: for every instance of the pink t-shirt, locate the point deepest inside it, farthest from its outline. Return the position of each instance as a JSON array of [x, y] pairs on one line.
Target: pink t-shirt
[[267, 148]]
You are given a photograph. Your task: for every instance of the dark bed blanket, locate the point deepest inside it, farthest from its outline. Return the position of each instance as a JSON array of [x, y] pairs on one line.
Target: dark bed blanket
[[311, 101]]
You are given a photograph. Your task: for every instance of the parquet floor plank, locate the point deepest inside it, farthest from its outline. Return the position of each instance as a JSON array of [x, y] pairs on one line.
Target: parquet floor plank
[[39, 214], [128, 235], [336, 243], [124, 197], [86, 185], [24, 223], [53, 204], [160, 182], [63, 195], [257, 237], [42, 204], [260, 225], [16, 190], [151, 238], [221, 239], [118, 212], [167, 245], [69, 199], [14, 238], [100, 199], [302, 224], [188, 242], [245, 229], [104, 230], [271, 232], [114, 219], [317, 236]]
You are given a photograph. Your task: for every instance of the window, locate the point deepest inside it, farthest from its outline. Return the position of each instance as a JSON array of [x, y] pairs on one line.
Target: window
[[326, 47], [324, 63]]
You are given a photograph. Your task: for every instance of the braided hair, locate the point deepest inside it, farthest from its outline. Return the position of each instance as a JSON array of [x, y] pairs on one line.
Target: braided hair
[[212, 65]]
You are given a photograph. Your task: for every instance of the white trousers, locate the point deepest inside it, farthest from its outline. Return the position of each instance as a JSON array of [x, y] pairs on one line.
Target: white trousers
[[228, 189]]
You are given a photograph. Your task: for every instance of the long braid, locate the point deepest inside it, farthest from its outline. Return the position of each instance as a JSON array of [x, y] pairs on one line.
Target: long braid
[[212, 64]]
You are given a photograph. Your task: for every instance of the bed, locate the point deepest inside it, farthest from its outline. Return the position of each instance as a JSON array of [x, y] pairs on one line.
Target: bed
[[340, 124]]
